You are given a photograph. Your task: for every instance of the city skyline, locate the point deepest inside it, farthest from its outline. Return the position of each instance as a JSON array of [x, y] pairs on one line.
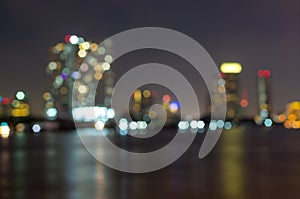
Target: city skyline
[[214, 25], [149, 99]]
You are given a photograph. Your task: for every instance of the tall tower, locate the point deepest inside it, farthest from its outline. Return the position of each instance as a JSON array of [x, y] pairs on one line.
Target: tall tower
[[65, 59], [230, 71], [264, 100], [142, 101]]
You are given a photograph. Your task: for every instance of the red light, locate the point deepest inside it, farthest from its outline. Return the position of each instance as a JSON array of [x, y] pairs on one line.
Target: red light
[[166, 98], [67, 38], [244, 103], [260, 73], [222, 75], [264, 73], [267, 73], [5, 101]]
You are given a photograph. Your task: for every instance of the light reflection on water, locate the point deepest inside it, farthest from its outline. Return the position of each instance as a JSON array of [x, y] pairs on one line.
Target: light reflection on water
[[232, 165], [246, 163]]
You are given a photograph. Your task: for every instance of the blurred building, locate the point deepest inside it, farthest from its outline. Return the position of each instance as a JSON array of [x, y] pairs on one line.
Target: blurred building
[[264, 99], [230, 73], [65, 60], [217, 94], [143, 100]]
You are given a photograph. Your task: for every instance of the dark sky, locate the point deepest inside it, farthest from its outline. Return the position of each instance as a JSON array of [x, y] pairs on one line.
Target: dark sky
[[259, 34]]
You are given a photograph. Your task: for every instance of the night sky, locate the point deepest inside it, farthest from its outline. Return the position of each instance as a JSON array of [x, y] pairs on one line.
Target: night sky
[[259, 34]]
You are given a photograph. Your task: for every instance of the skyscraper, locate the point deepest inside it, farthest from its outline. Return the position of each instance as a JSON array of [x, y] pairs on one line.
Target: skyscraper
[[230, 72], [65, 59], [263, 93]]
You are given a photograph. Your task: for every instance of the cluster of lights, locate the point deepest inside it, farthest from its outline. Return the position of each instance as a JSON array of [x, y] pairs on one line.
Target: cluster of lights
[[92, 114], [200, 125], [6, 131], [67, 69], [263, 119], [93, 69], [98, 115], [124, 125], [291, 117], [170, 106], [50, 109], [142, 101], [18, 106]]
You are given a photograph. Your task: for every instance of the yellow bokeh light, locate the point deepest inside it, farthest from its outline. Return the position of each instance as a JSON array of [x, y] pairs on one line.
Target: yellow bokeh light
[[292, 117], [146, 93], [287, 124], [94, 47], [46, 96], [24, 112], [137, 95], [82, 53], [83, 89], [98, 75], [231, 67], [231, 113], [281, 118], [296, 124], [84, 46], [166, 105], [152, 114], [64, 90], [136, 107], [98, 68], [59, 47], [264, 106]]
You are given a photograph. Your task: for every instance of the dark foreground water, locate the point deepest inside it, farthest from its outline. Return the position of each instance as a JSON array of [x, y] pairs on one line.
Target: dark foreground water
[[247, 162]]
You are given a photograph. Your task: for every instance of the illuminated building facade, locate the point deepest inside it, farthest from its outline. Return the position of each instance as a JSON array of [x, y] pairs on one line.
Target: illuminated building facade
[[264, 99], [65, 59], [230, 72]]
